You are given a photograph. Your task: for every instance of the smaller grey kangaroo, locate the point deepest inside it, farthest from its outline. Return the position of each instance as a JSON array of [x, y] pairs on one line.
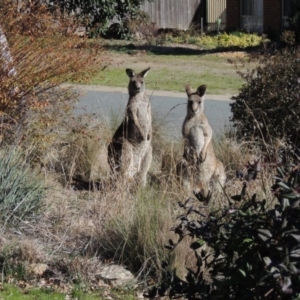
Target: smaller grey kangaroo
[[199, 168], [130, 151]]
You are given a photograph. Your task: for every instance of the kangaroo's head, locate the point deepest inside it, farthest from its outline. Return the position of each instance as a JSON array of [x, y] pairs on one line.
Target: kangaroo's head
[[195, 104], [136, 81]]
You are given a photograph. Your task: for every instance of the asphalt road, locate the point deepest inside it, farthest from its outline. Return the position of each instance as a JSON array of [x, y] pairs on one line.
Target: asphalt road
[[168, 108]]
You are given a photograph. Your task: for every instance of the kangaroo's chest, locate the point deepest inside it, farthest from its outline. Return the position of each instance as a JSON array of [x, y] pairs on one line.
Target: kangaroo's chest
[[142, 112], [192, 126]]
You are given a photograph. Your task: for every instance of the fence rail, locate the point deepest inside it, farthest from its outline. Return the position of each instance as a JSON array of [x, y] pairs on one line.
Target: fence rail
[[175, 13]]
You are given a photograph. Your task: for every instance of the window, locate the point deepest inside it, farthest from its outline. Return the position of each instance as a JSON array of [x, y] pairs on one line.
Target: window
[[247, 8], [286, 8], [252, 15]]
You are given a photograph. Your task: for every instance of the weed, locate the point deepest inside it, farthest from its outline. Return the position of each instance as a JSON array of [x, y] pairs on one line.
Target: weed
[[22, 189]]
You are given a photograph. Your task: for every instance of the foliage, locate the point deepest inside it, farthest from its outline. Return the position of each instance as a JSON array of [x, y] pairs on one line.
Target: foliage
[[255, 247], [22, 189], [105, 17], [267, 107], [133, 239], [294, 18], [44, 54], [224, 40], [8, 291]]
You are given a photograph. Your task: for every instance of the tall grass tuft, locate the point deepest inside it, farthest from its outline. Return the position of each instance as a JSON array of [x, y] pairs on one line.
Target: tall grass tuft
[[22, 189], [133, 236]]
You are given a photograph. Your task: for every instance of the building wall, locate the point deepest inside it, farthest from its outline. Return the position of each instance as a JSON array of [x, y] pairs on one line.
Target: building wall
[[272, 16], [233, 14], [216, 9]]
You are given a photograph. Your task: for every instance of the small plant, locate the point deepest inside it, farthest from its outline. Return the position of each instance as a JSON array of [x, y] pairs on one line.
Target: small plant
[[22, 189], [251, 248]]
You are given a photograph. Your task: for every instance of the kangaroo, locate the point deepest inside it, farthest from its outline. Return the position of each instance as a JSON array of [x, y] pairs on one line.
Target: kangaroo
[[199, 168], [130, 151]]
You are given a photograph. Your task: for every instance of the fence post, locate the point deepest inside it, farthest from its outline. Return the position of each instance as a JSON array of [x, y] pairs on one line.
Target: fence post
[[201, 26]]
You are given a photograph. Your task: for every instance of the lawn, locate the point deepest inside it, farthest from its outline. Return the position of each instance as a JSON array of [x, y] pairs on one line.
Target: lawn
[[173, 67]]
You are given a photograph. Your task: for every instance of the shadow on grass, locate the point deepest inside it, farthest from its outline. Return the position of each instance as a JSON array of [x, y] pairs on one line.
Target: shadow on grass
[[174, 50]]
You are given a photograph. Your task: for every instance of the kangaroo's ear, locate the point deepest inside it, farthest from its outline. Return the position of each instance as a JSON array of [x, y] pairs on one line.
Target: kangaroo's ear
[[130, 73], [188, 89], [201, 90], [145, 72]]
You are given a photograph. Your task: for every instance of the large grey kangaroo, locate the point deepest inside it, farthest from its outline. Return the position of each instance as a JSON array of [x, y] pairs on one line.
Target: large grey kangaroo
[[199, 168], [130, 151]]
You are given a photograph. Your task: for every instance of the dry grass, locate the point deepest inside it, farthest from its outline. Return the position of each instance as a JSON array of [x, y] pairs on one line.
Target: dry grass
[[78, 231], [81, 231]]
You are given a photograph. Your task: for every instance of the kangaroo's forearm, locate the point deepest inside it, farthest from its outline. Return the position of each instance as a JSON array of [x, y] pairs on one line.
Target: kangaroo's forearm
[[139, 127], [207, 140]]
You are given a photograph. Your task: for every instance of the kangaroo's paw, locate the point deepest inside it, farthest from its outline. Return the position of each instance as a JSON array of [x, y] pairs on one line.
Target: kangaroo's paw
[[202, 157]]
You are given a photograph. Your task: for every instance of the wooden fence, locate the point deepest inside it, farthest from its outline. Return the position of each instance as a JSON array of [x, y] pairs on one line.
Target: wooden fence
[[175, 13], [180, 14]]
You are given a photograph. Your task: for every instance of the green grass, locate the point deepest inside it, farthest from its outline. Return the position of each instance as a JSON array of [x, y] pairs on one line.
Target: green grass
[[13, 293], [10, 292], [172, 72]]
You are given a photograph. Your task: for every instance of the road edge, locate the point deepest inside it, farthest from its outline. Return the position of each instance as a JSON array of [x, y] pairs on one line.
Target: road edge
[[100, 88]]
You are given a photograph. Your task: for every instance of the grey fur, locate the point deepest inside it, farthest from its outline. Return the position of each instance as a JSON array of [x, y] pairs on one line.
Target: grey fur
[[130, 151], [199, 168]]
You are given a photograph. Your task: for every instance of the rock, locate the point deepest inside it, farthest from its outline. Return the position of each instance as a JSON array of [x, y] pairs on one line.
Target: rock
[[116, 275], [80, 31], [37, 269]]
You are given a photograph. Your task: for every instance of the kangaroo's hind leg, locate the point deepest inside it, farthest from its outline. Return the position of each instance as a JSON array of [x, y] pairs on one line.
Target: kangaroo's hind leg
[[220, 176], [145, 165]]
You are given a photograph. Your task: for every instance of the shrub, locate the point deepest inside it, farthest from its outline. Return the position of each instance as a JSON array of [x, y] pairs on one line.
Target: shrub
[[21, 189], [267, 108], [44, 55], [294, 18], [255, 245], [224, 40], [100, 15]]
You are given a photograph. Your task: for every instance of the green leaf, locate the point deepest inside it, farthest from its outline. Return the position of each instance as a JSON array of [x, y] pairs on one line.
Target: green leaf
[[196, 245], [265, 232], [247, 241], [242, 272], [283, 185], [295, 236], [267, 260], [293, 195], [262, 237], [281, 172]]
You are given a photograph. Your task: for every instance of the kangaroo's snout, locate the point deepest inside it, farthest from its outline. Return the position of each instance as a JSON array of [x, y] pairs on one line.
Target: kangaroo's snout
[[138, 85], [196, 107]]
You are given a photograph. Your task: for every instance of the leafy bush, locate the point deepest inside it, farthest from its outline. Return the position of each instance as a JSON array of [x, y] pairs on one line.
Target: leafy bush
[[224, 40], [255, 245], [267, 108], [294, 18], [107, 18], [44, 54], [22, 189]]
